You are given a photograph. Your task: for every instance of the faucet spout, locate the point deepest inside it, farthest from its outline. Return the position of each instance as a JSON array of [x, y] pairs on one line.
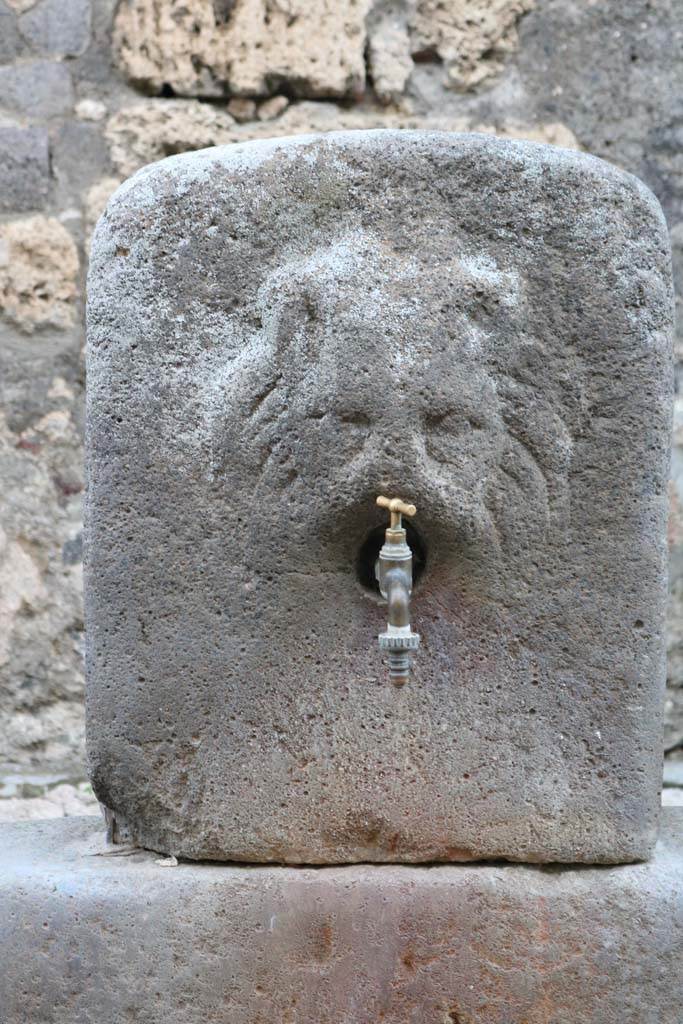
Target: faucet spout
[[398, 586], [394, 572]]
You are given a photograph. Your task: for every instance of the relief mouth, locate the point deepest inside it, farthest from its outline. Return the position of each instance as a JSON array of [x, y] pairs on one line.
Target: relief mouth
[[368, 554]]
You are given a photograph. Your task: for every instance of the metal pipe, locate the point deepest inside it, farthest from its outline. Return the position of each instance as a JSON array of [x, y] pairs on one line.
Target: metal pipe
[[398, 583]]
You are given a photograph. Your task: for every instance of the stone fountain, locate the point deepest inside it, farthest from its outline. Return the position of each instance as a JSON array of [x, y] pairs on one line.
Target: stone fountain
[[458, 824]]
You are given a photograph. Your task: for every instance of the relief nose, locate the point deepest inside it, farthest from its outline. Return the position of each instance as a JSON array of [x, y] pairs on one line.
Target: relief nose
[[391, 448]]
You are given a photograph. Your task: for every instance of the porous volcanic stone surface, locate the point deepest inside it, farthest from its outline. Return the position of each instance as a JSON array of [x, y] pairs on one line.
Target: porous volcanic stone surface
[[282, 330], [89, 936], [606, 78]]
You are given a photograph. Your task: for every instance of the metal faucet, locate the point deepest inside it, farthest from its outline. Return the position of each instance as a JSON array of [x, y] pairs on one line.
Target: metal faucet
[[394, 572]]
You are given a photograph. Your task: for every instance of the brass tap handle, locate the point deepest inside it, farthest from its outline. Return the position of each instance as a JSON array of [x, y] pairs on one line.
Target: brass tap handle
[[397, 507]]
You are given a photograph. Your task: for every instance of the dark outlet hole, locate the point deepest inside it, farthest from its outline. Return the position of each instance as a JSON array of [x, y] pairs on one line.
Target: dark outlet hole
[[369, 552]]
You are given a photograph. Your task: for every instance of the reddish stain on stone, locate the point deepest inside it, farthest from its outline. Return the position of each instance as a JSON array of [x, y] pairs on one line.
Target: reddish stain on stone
[[408, 959]]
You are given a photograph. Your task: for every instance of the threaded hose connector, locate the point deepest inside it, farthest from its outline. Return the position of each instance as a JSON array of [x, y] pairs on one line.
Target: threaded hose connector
[[399, 667], [398, 648]]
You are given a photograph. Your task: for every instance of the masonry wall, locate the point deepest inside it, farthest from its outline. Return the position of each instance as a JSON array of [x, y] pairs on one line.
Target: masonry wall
[[90, 90]]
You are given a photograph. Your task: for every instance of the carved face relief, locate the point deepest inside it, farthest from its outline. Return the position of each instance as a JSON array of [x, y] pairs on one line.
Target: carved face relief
[[280, 331], [360, 375]]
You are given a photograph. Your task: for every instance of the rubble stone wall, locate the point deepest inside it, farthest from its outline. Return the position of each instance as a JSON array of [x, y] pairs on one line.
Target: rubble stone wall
[[90, 90]]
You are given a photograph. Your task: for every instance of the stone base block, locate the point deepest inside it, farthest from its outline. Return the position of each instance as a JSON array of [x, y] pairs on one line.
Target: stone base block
[[90, 933]]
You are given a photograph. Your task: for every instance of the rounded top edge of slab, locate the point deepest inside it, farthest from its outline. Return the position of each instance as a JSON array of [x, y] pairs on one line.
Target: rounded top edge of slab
[[187, 168]]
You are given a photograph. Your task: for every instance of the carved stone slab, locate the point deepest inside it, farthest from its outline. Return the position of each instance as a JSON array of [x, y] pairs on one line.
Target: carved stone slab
[[280, 331]]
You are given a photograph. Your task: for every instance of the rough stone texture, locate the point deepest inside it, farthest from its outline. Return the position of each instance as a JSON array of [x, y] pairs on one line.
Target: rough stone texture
[[79, 154], [20, 6], [36, 89], [58, 29], [63, 800], [252, 47], [154, 129], [340, 945], [245, 47], [24, 168], [91, 110], [38, 271], [11, 43], [242, 109], [606, 76], [281, 331], [40, 583], [471, 37], [673, 707], [150, 131], [272, 108], [389, 60]]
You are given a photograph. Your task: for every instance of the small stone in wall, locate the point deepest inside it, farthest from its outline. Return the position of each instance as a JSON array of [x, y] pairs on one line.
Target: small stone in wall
[[38, 273], [55, 426], [316, 47], [60, 389], [471, 37], [56, 28], [242, 109], [389, 59], [153, 129], [24, 167], [37, 89], [272, 108], [90, 110], [21, 5]]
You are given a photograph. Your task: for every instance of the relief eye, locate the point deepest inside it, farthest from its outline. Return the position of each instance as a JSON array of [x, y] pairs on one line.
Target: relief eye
[[433, 420], [356, 419], [453, 422], [445, 422]]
